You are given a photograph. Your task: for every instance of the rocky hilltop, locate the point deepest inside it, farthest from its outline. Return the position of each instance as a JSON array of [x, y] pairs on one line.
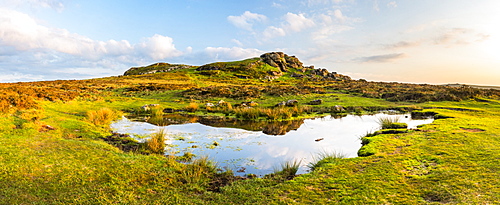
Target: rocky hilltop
[[156, 68], [268, 66]]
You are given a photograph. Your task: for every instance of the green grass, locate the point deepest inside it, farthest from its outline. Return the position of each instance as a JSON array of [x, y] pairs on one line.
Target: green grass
[[156, 143], [453, 160], [391, 123]]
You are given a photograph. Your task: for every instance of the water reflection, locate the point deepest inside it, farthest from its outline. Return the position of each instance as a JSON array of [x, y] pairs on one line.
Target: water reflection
[[259, 147], [267, 127]]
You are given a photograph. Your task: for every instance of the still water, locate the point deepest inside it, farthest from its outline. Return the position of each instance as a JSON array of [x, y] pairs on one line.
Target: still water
[[255, 152]]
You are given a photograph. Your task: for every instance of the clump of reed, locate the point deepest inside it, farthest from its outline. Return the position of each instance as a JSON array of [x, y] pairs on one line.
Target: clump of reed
[[287, 170], [192, 107], [325, 158], [247, 113], [391, 123], [278, 113], [156, 143], [103, 116], [156, 111]]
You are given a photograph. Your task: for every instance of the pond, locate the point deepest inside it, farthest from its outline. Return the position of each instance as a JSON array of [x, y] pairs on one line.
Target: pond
[[250, 147]]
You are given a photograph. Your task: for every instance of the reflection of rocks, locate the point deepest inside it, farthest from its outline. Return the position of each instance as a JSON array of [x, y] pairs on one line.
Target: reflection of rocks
[[171, 119], [268, 127], [281, 128]]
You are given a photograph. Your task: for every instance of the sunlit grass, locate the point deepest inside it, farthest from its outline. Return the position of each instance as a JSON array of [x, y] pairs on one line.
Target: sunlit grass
[[156, 143], [103, 116], [323, 158], [287, 170], [391, 123]]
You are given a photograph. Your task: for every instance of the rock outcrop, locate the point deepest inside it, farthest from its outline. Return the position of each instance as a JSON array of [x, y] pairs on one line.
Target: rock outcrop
[[281, 61], [251, 68], [155, 68]]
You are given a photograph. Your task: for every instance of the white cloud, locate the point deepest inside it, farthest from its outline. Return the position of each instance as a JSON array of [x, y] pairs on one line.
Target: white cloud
[[246, 20], [237, 42], [28, 48], [375, 5], [381, 58], [459, 36], [316, 2], [52, 4], [402, 44], [297, 22], [277, 5], [16, 77], [272, 32], [392, 4], [159, 47], [292, 23], [338, 14], [22, 32]]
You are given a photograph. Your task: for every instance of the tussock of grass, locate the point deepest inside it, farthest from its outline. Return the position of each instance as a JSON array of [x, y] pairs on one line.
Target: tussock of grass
[[156, 111], [156, 144], [325, 158], [103, 116], [287, 170], [391, 123], [247, 113], [192, 107]]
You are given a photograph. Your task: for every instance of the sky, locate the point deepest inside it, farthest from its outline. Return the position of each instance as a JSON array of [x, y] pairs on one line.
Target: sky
[[425, 41]]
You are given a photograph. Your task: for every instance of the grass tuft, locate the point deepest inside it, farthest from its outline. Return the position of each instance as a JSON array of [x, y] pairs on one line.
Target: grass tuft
[[192, 107], [325, 158], [156, 144], [390, 123], [104, 116], [288, 170]]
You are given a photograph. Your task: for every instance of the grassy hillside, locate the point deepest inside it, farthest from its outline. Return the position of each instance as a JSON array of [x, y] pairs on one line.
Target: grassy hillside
[[52, 147]]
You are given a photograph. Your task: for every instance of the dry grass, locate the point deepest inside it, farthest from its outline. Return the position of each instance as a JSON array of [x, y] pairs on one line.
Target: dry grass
[[192, 107], [103, 116], [156, 144]]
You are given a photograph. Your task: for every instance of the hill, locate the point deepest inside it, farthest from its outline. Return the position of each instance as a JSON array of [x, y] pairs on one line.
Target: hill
[[268, 66]]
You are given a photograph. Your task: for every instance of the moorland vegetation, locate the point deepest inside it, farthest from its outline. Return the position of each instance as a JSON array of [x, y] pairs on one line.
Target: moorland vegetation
[[56, 146]]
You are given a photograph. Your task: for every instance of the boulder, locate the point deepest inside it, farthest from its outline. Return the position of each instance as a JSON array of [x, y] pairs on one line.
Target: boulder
[[338, 108], [250, 104], [148, 106], [281, 61], [293, 62], [275, 59], [316, 102], [292, 103], [281, 104]]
